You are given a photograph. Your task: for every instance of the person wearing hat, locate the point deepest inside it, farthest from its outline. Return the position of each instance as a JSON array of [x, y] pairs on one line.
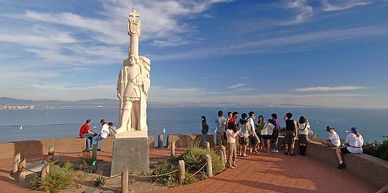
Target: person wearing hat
[[354, 142], [333, 140]]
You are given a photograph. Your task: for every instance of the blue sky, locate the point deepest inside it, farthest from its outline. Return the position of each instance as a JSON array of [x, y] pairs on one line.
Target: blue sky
[[205, 52]]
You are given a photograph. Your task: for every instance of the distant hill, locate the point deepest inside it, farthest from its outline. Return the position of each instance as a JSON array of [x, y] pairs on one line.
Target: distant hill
[[60, 104]]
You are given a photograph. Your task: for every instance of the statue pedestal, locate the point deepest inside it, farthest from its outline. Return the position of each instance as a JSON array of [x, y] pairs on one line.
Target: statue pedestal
[[132, 153]]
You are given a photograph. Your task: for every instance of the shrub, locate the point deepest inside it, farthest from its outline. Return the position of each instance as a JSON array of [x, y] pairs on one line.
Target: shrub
[[57, 179], [377, 149], [100, 181], [167, 180], [195, 158]]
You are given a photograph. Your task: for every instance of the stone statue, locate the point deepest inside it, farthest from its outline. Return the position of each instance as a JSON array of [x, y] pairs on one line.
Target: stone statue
[[133, 85]]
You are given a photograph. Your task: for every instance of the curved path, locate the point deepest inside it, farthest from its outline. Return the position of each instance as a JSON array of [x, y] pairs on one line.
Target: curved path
[[279, 173], [259, 173]]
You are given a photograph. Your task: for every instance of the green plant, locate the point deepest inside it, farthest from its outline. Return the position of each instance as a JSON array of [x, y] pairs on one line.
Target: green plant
[[87, 163], [57, 179], [68, 166], [377, 149], [167, 180], [100, 181], [195, 158]]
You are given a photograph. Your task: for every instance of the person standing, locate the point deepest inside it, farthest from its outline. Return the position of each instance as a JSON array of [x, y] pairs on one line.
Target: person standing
[[205, 129], [303, 131], [354, 142], [86, 132], [276, 131], [112, 129], [266, 134], [103, 134], [333, 140], [243, 126], [259, 126], [291, 133], [231, 146], [253, 138], [221, 123]]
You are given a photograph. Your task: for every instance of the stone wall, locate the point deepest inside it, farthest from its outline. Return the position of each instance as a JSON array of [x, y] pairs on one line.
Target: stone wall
[[371, 169], [37, 148], [184, 141]]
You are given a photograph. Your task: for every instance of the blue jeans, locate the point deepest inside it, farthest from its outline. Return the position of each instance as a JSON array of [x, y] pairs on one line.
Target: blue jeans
[[89, 139], [96, 140], [204, 138]]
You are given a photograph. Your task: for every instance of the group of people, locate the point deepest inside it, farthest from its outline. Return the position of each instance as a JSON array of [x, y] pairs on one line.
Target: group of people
[[353, 144], [93, 137], [254, 136]]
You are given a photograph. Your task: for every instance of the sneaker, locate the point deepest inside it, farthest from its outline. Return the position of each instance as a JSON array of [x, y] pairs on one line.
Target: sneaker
[[275, 151], [341, 166]]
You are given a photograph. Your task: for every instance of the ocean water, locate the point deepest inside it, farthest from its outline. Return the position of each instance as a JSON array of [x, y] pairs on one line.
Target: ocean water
[[64, 123]]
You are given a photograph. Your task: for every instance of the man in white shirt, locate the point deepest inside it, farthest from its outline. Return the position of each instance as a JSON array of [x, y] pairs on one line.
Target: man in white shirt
[[333, 140], [103, 134], [253, 138]]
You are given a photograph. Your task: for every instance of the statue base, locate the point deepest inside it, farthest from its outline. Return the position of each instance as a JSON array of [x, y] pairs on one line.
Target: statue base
[[132, 153]]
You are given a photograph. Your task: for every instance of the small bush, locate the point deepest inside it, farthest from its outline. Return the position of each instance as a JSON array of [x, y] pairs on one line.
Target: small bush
[[377, 149], [57, 179], [168, 180], [195, 158], [100, 181]]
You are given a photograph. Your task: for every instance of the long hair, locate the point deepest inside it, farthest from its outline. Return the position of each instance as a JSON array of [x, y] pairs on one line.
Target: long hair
[[262, 119]]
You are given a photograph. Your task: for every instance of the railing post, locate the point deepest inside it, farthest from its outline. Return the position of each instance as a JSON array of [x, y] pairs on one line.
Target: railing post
[[207, 145], [16, 162], [45, 170], [124, 180], [182, 172], [222, 155], [173, 149], [209, 165], [224, 150], [160, 141]]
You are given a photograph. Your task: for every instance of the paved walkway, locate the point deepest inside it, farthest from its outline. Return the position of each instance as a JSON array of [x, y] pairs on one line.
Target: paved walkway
[[259, 173]]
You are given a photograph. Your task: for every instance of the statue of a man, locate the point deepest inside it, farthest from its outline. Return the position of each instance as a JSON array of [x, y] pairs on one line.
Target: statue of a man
[[133, 83]]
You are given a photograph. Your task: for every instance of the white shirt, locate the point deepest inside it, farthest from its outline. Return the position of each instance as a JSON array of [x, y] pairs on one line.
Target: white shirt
[[104, 131], [303, 128], [251, 123], [267, 129], [355, 143], [334, 138], [231, 136]]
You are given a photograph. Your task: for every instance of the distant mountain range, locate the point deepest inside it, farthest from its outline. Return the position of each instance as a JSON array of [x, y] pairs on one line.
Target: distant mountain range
[[6, 101]]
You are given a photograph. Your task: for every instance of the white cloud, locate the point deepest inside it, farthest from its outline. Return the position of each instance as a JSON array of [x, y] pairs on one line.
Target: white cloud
[[331, 88], [238, 85], [160, 20], [339, 5], [284, 44], [305, 11]]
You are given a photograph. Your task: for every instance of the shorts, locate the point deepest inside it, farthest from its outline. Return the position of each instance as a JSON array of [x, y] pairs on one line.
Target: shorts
[[303, 139], [252, 140], [243, 141], [344, 150], [267, 137], [289, 139]]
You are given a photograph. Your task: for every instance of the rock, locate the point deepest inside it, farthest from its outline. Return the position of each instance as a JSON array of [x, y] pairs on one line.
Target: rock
[[90, 191]]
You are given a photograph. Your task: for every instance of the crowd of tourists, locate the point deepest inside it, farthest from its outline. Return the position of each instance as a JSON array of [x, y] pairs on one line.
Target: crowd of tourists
[[259, 135]]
